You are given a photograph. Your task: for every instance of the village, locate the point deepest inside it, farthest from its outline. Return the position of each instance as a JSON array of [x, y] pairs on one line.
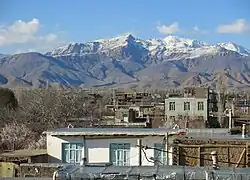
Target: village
[[174, 130]]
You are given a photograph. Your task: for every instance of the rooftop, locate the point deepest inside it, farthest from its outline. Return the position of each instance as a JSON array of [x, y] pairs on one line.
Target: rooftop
[[24, 153], [215, 134], [113, 131]]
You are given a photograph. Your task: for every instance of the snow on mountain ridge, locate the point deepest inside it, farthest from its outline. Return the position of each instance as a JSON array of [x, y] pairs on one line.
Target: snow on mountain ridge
[[178, 42], [234, 47], [119, 39], [153, 46], [126, 61]]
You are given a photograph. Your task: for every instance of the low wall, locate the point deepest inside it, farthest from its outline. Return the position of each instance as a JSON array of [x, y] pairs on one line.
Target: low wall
[[193, 152], [38, 170]]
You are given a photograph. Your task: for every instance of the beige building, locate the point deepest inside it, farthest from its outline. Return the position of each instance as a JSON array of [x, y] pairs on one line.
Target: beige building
[[189, 107]]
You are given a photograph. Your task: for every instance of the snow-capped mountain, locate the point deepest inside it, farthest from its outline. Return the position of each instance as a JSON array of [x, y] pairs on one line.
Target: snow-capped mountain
[[129, 61], [236, 48], [165, 46]]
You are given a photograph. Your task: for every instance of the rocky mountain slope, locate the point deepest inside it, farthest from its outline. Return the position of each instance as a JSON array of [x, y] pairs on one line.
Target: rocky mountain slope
[[127, 61]]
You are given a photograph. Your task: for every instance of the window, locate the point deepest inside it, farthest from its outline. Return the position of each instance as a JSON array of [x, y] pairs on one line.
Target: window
[[160, 156], [72, 152], [244, 109], [186, 106], [172, 118], [119, 154], [200, 106], [171, 106]]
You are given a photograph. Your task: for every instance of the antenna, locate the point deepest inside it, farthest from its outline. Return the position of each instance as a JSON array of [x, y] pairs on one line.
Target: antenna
[[47, 84]]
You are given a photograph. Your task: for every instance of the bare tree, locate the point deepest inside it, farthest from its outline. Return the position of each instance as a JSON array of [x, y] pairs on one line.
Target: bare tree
[[221, 89], [52, 108], [42, 109], [40, 144], [16, 136]]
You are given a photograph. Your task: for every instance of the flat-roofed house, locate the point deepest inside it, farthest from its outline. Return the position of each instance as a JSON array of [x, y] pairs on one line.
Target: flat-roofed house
[[119, 146]]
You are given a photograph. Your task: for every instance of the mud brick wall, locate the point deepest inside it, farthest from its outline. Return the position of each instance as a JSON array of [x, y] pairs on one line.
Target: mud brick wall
[[228, 155]]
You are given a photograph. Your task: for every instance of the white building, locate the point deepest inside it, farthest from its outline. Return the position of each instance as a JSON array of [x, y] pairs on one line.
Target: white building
[[119, 146]]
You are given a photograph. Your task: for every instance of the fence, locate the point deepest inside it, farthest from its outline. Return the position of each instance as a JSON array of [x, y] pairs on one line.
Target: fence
[[152, 172], [26, 178]]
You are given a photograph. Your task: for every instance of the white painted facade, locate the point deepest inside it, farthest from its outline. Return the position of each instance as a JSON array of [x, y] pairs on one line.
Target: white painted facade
[[98, 149]]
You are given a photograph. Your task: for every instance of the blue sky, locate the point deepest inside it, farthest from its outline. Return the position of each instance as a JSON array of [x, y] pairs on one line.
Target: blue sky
[[41, 25]]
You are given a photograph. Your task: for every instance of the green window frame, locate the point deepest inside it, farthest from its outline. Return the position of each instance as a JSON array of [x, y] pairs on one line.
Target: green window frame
[[72, 152], [120, 154]]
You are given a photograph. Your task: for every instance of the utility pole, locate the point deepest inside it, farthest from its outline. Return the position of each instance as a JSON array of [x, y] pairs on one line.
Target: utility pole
[[246, 103], [230, 124], [47, 84], [166, 143], [114, 103], [140, 150]]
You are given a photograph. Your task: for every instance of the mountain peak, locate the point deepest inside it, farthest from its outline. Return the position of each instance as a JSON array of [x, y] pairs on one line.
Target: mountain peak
[[119, 39], [127, 36]]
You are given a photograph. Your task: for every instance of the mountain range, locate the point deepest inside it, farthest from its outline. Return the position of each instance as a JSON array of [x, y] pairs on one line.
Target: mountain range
[[127, 61]]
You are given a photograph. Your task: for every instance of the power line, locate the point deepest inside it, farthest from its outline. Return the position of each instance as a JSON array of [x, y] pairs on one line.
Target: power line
[[158, 154], [148, 159], [194, 157], [146, 156]]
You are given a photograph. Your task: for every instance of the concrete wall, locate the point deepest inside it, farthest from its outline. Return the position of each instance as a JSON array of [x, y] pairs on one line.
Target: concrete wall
[[7, 169], [98, 149], [179, 107]]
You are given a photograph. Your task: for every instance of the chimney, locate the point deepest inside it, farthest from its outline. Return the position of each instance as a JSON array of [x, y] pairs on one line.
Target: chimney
[[148, 119], [243, 130], [215, 160]]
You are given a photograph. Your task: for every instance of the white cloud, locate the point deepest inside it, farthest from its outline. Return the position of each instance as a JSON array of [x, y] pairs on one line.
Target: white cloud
[[171, 29], [197, 30], [240, 26], [26, 34]]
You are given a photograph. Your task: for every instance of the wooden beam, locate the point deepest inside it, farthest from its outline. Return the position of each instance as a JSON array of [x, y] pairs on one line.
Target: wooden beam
[[241, 156], [209, 145], [201, 156]]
